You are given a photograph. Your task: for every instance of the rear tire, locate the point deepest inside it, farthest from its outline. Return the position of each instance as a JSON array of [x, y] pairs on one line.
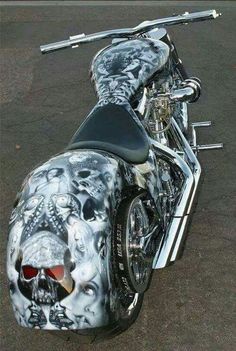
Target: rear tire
[[128, 313], [131, 247], [131, 294]]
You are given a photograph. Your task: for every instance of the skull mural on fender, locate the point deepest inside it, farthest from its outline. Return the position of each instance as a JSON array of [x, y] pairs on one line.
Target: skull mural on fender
[[45, 268], [93, 177], [59, 260], [58, 263]]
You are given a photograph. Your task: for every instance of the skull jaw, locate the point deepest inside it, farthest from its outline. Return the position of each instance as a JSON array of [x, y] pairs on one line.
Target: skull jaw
[[93, 188], [41, 296]]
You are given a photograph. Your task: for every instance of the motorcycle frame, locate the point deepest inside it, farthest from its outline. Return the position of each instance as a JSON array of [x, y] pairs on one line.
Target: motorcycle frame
[[183, 160], [189, 166]]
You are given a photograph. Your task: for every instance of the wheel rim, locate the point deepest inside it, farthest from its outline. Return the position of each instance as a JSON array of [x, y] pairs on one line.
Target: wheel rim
[[139, 260]]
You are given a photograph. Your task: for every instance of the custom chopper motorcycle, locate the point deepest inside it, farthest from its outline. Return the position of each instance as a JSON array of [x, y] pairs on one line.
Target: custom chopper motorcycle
[[89, 225]]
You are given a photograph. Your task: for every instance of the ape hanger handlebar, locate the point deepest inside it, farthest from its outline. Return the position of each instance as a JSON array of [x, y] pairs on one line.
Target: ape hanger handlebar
[[142, 28]]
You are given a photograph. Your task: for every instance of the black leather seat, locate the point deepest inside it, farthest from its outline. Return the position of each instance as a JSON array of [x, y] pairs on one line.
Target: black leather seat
[[112, 128]]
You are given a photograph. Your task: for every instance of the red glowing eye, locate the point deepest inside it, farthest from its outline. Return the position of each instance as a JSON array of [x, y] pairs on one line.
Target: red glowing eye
[[29, 272], [56, 272]]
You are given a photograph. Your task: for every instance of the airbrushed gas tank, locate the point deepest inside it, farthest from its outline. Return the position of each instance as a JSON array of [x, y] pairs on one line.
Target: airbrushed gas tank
[[122, 68]]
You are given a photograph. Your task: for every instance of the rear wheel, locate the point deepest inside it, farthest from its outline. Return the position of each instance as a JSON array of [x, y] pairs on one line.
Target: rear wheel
[[133, 249], [132, 263]]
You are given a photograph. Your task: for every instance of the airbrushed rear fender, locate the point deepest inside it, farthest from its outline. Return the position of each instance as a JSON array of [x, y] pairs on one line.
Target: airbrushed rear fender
[[59, 248]]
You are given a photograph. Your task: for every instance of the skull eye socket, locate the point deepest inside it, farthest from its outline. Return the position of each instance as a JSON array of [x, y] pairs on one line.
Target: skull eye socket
[[84, 174], [56, 273], [29, 272]]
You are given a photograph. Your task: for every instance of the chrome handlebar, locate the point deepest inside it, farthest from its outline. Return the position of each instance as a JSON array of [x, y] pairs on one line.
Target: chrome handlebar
[[143, 27]]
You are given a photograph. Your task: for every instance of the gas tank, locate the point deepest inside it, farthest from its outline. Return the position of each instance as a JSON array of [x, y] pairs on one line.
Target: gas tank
[[122, 68]]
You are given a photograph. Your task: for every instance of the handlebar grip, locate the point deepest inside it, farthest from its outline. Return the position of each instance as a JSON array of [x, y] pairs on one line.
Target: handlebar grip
[[60, 45]]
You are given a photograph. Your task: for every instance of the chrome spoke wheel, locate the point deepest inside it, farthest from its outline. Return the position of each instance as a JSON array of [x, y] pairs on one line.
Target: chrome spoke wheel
[[134, 245], [139, 262]]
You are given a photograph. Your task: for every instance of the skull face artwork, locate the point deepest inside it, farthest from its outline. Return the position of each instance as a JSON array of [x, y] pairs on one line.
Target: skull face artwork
[[93, 176], [45, 268], [58, 267], [59, 246]]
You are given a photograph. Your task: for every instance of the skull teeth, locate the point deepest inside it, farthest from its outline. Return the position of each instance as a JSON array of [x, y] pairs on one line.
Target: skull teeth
[[44, 297]]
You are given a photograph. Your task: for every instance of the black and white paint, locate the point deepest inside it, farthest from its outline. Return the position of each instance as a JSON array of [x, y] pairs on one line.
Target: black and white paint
[[59, 247], [121, 69], [58, 261]]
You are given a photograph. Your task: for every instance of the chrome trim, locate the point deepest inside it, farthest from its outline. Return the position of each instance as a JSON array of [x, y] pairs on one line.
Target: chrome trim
[[178, 162], [194, 134], [167, 246], [182, 95], [129, 32], [195, 147], [192, 159], [179, 238], [184, 113], [208, 147], [191, 170], [201, 124], [143, 103], [163, 255], [189, 91], [77, 36]]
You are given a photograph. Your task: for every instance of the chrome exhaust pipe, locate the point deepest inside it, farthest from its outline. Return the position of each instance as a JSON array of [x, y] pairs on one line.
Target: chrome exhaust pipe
[[196, 169], [189, 91], [191, 170]]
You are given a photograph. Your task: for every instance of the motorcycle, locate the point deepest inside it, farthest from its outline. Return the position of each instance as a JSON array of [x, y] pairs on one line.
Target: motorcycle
[[91, 224]]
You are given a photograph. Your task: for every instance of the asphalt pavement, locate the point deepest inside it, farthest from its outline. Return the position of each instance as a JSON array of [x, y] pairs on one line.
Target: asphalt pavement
[[189, 306]]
